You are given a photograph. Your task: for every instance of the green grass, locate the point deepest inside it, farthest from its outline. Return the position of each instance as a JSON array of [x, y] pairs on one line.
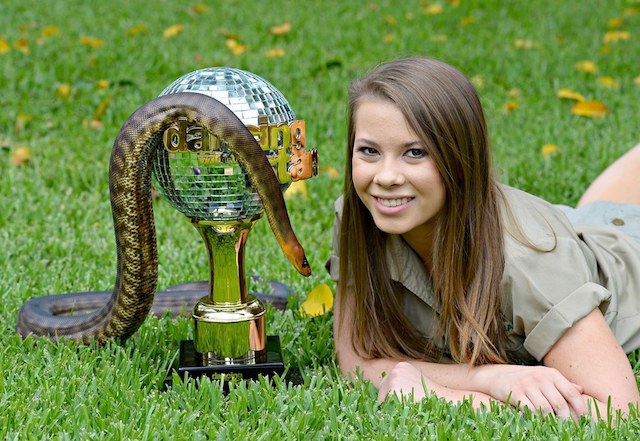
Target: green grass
[[55, 223]]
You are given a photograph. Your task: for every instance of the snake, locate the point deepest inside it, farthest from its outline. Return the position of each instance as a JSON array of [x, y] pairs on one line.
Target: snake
[[101, 316]]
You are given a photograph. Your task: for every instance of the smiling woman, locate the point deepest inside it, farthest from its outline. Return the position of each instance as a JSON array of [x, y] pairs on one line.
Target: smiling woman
[[452, 283]]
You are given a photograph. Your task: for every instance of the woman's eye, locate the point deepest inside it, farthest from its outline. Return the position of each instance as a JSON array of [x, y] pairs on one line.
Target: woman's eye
[[367, 151], [416, 153]]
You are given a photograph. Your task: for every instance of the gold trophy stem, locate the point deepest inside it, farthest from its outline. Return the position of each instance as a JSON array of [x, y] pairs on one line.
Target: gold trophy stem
[[229, 323]]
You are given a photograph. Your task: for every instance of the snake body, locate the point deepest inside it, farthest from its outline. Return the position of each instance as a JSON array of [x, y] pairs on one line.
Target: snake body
[[130, 169]]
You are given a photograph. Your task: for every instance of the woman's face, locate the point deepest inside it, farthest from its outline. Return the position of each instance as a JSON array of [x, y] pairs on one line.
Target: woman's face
[[393, 174]]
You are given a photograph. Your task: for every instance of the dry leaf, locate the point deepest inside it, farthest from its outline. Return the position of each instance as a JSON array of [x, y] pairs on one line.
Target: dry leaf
[[91, 41], [391, 20], [592, 108], [281, 29], [4, 46], [102, 107], [276, 52], [570, 94], [615, 22], [433, 9], [199, 8], [548, 150], [137, 29], [509, 107], [614, 36], [587, 66], [173, 30], [388, 38], [22, 44], [319, 301], [331, 171], [103, 84], [235, 47], [297, 188], [608, 82], [49, 31], [63, 91], [20, 156]]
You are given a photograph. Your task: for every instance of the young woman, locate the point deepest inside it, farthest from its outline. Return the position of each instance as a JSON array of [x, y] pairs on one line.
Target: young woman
[[451, 283]]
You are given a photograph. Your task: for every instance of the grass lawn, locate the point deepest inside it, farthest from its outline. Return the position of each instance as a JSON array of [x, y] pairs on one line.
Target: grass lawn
[[73, 71]]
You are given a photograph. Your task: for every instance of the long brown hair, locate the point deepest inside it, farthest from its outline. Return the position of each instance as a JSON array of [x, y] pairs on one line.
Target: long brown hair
[[442, 108]]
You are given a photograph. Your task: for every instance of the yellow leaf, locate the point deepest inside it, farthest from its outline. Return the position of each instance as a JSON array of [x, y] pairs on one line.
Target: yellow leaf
[[440, 38], [548, 150], [102, 107], [173, 30], [587, 66], [91, 41], [477, 81], [614, 36], [103, 84], [570, 94], [509, 107], [636, 80], [235, 47], [21, 121], [22, 44], [592, 108], [4, 46], [331, 171], [391, 20], [137, 29], [521, 43], [433, 9], [609, 82], [319, 301], [297, 188], [281, 29], [467, 20], [199, 8], [49, 31], [615, 22], [63, 91], [514, 91], [20, 156], [276, 52], [388, 38]]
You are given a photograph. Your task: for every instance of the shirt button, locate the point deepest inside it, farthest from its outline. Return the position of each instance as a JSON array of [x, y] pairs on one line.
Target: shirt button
[[617, 221]]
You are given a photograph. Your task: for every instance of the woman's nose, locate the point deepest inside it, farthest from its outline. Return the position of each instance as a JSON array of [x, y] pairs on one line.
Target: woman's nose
[[389, 174]]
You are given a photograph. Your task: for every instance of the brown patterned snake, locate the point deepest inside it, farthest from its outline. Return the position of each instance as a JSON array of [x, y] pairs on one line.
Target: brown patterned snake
[[130, 190]]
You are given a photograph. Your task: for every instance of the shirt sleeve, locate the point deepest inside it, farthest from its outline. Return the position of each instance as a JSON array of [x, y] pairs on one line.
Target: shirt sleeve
[[550, 290]]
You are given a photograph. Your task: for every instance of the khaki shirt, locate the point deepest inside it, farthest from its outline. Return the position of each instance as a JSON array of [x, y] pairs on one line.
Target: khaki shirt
[[543, 292]]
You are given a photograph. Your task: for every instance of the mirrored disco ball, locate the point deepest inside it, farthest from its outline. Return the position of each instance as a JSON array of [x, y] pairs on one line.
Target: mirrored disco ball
[[210, 185]]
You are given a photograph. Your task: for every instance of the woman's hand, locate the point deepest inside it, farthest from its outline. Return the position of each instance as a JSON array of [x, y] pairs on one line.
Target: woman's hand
[[535, 387], [404, 380]]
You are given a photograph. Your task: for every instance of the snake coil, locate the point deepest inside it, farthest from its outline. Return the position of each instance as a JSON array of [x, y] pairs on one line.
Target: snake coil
[[130, 170]]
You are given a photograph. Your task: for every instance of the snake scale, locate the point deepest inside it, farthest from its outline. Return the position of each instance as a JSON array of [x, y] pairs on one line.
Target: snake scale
[[102, 316]]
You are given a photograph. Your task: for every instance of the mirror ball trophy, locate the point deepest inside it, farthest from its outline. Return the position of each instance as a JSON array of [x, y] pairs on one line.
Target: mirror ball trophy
[[202, 180]]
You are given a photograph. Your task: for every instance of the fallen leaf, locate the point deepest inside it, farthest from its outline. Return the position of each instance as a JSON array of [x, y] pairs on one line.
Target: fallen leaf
[[608, 82], [91, 41], [615, 36], [276, 52], [102, 107], [319, 301], [615, 22], [21, 156], [297, 188], [199, 8], [586, 66], [50, 31], [509, 107], [236, 47], [570, 94], [63, 91], [548, 150], [4, 46], [433, 9], [636, 80], [391, 20], [281, 29], [137, 29], [173, 30], [331, 171], [388, 38], [592, 108], [22, 44], [103, 84]]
